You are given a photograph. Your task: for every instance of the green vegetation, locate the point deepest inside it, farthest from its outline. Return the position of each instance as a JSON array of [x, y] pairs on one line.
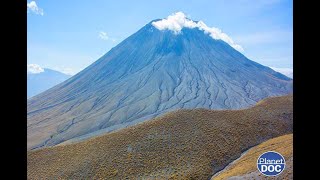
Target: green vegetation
[[185, 144]]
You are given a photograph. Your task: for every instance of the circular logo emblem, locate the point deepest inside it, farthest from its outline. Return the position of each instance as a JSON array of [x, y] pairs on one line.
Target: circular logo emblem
[[271, 163]]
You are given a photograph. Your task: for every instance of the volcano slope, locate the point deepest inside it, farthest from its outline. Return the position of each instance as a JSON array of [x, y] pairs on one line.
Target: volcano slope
[[148, 74], [246, 166], [185, 144]]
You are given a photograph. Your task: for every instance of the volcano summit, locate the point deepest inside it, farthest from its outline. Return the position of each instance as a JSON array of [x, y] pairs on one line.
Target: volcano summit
[[169, 64]]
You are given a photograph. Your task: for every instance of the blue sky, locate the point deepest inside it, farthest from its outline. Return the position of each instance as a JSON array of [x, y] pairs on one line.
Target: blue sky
[[70, 35]]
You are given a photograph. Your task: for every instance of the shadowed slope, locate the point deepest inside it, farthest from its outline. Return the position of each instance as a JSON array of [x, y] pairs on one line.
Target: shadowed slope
[[184, 144]]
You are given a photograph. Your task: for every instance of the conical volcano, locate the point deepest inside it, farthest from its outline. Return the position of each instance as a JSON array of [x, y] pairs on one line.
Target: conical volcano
[[153, 71]]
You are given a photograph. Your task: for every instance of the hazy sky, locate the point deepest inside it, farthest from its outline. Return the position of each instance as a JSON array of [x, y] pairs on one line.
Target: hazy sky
[[70, 35]]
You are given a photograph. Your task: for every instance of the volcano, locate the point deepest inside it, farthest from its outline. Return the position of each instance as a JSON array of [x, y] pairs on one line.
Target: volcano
[[156, 70]]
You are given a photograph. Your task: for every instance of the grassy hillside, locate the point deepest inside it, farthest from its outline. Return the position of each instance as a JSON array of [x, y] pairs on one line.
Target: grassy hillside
[[185, 144], [246, 166]]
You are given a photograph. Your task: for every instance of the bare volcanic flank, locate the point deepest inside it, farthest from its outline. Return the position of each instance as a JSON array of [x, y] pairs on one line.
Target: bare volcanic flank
[[149, 73], [185, 144]]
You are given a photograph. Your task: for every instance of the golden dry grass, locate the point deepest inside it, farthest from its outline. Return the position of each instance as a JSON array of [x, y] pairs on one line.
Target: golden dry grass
[[248, 162], [185, 144]]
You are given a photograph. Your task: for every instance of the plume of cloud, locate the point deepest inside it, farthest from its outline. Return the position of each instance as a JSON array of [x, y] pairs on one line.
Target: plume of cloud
[[175, 23], [103, 35], [32, 7], [178, 20], [34, 69]]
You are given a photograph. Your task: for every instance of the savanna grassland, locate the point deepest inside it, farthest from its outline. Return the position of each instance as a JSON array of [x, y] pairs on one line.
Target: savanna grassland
[[184, 144], [246, 166]]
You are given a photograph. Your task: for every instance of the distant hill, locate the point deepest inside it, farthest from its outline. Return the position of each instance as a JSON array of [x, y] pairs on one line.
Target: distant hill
[[39, 82], [184, 144], [286, 71], [154, 71], [246, 166]]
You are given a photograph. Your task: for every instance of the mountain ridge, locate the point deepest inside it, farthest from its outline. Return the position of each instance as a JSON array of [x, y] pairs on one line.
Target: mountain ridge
[[148, 74], [183, 144], [39, 82]]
